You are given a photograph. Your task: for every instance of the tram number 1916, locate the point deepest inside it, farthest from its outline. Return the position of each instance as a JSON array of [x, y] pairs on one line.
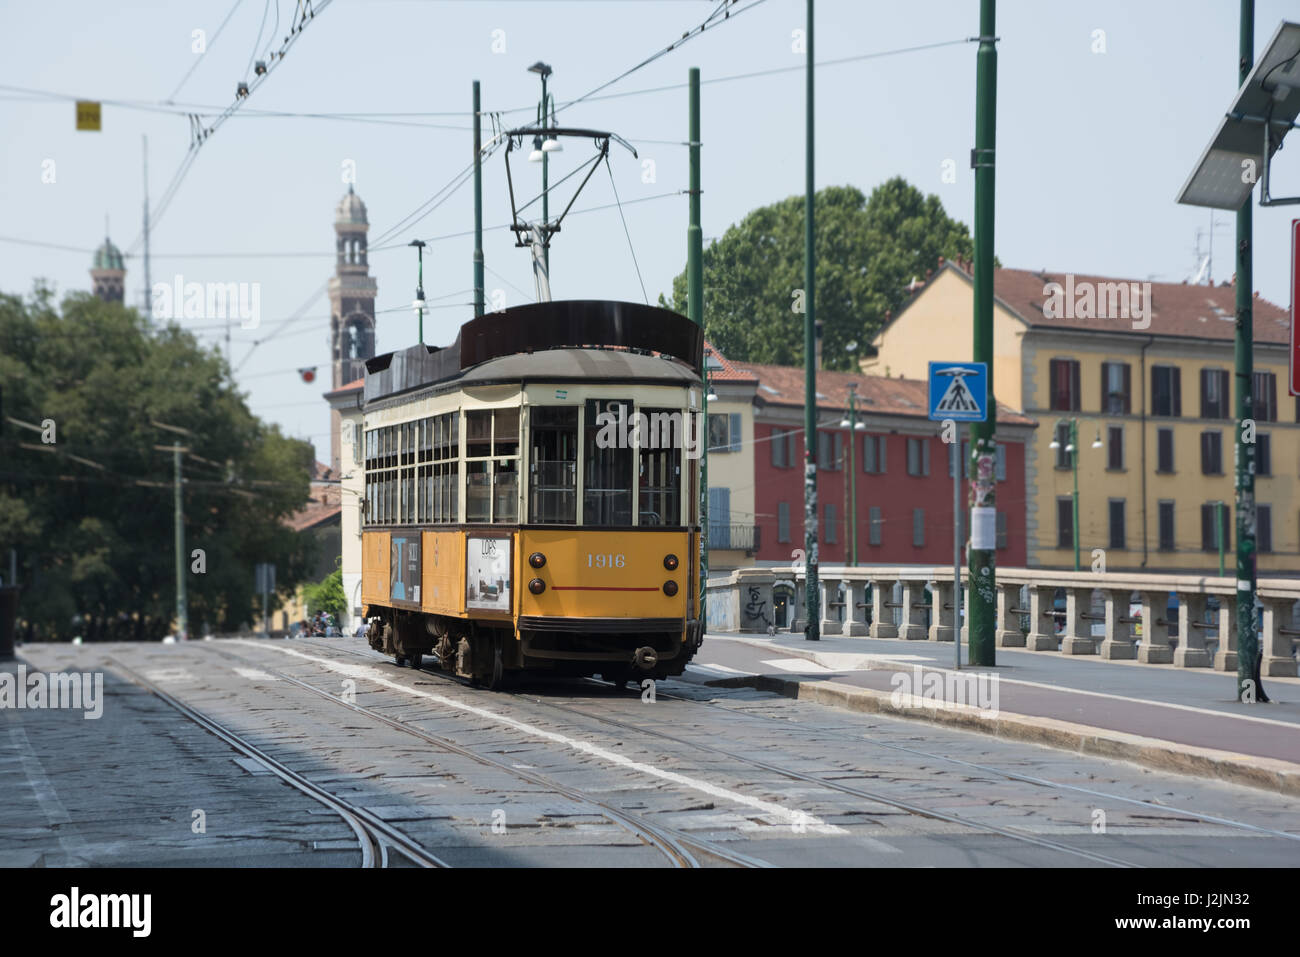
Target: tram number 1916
[[606, 561]]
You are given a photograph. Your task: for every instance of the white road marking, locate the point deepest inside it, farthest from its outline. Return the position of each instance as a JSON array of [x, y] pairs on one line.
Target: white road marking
[[167, 675], [252, 674], [799, 665], [784, 815], [716, 671]]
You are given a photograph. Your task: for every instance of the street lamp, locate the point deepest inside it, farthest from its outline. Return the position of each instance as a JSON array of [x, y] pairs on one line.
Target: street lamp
[[418, 304], [542, 148], [1072, 447]]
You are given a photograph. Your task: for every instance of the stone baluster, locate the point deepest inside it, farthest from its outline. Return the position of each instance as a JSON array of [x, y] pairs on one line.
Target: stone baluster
[[941, 611], [831, 623], [1118, 643], [1279, 660], [1042, 625], [1225, 658], [1154, 649], [911, 626], [1009, 634], [882, 616], [855, 612], [1077, 637], [1191, 651]]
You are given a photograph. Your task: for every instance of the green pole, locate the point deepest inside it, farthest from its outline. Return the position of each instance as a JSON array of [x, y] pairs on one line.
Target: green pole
[[853, 475], [695, 310], [982, 554], [1248, 677], [478, 207], [182, 611], [1074, 467], [812, 599]]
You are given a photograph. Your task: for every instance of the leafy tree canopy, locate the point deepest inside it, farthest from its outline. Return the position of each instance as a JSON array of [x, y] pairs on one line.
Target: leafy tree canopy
[[327, 595], [91, 514], [867, 251]]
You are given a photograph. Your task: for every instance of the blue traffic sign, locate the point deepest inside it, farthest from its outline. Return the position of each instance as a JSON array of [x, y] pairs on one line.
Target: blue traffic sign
[[959, 391]]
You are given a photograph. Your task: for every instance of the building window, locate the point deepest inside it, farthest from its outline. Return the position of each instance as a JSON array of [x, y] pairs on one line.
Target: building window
[[1001, 529], [1115, 448], [1167, 526], [1212, 453], [918, 527], [1065, 523], [830, 450], [1263, 528], [1116, 388], [1001, 470], [1117, 537], [1062, 437], [832, 525], [724, 432], [1263, 454], [875, 526], [873, 454], [1166, 391], [918, 456], [1214, 394], [1165, 451], [783, 521], [1213, 531], [783, 451], [1265, 397], [1064, 375]]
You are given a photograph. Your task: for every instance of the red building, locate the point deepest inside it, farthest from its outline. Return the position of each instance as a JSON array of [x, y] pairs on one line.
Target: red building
[[901, 467]]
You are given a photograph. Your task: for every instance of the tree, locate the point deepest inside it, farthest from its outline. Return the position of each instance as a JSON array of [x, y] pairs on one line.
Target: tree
[[91, 512], [327, 595], [867, 251]]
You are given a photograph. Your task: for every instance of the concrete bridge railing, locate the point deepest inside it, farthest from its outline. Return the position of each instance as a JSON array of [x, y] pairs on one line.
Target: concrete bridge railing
[[1186, 620]]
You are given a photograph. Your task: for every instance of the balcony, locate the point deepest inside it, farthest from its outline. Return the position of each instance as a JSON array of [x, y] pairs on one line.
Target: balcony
[[735, 537]]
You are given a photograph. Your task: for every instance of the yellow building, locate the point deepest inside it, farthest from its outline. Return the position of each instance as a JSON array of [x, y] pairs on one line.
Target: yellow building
[[733, 526], [1146, 370]]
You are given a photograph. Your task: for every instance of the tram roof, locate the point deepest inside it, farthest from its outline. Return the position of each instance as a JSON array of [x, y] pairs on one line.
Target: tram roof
[[556, 341]]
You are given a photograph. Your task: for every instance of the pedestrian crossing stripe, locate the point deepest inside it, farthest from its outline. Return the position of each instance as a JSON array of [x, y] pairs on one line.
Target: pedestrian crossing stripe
[[957, 398]]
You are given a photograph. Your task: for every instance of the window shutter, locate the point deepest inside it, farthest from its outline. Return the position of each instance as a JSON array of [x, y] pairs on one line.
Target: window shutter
[[1127, 378], [838, 461], [868, 453], [925, 456], [1002, 462], [778, 447], [1002, 529], [735, 432], [1176, 386], [880, 447]]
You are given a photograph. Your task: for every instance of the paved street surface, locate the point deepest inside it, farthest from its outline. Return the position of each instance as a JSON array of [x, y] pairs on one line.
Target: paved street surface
[[1189, 706], [574, 772]]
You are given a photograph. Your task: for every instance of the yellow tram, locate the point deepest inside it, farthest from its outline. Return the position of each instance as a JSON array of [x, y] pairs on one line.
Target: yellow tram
[[532, 494]]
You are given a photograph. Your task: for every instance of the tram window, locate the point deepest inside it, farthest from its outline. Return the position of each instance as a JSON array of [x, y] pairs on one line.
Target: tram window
[[505, 432], [478, 434], [478, 500], [505, 489], [607, 482], [660, 478], [553, 483]]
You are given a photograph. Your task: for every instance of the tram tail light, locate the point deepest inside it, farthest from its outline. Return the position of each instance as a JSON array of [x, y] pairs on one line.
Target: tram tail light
[[537, 586], [537, 559], [670, 588], [670, 562]]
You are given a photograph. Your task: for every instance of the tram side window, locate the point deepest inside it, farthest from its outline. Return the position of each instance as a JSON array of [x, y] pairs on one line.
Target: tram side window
[[382, 475], [445, 481], [492, 465], [661, 467], [553, 483], [607, 479]]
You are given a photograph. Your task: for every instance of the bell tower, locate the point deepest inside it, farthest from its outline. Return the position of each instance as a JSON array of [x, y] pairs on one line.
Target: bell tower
[[352, 304]]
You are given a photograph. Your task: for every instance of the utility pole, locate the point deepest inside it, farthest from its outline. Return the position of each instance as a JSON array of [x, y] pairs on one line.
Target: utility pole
[[982, 560], [695, 311], [812, 596], [853, 474], [182, 606], [478, 207], [1249, 687]]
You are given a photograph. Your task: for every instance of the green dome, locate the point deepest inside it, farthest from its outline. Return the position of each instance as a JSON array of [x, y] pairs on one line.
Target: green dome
[[108, 256]]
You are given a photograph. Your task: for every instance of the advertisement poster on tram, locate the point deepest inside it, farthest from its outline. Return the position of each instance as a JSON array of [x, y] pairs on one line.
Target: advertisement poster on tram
[[487, 573]]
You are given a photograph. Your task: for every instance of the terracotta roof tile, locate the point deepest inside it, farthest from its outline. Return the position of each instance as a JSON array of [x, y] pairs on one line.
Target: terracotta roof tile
[[730, 372], [783, 385]]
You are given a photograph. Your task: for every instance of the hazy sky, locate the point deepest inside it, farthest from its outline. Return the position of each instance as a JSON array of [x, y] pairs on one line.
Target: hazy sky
[[1092, 147]]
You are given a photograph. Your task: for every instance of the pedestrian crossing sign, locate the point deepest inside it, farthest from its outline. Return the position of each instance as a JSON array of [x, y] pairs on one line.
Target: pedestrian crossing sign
[[959, 391]]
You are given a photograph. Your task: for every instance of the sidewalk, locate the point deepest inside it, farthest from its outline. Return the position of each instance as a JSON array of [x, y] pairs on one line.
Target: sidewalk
[[1173, 719]]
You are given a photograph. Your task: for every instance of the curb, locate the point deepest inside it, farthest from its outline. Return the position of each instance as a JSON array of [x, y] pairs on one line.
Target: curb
[[1267, 774]]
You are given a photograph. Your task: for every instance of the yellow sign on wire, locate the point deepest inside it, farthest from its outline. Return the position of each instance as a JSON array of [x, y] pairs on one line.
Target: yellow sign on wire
[[88, 115]]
